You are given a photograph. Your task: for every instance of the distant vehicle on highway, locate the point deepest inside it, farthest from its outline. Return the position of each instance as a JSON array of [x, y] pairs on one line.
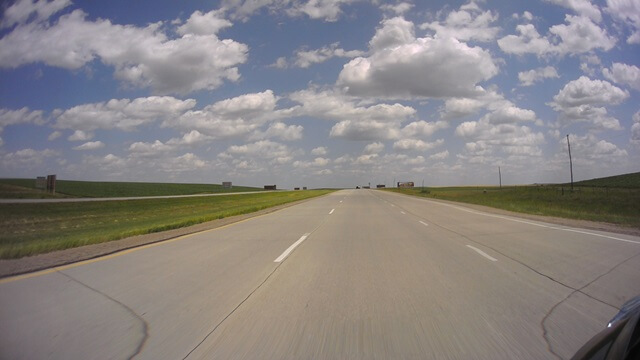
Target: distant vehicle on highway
[[620, 340]]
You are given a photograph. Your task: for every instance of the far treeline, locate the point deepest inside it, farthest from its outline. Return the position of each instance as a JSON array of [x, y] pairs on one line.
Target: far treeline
[[614, 199], [26, 188]]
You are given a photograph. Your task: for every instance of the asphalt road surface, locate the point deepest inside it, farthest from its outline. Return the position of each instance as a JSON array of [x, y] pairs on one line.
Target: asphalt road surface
[[357, 274]]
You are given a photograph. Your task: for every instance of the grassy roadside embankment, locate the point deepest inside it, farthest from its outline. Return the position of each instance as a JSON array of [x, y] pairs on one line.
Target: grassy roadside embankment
[[619, 206], [30, 229], [26, 189]]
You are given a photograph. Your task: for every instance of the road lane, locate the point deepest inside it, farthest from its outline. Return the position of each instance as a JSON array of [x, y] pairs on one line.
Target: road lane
[[378, 284], [379, 275]]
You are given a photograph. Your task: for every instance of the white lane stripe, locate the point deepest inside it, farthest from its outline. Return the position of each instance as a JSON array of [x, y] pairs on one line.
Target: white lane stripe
[[393, 205], [290, 249], [403, 213], [536, 224], [331, 212], [424, 223], [482, 253], [340, 200]]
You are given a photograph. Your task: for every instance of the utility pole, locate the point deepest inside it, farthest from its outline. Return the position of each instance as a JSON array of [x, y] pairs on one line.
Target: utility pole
[[500, 176], [570, 162]]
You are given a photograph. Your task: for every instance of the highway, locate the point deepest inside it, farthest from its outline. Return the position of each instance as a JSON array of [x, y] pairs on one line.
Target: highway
[[357, 274]]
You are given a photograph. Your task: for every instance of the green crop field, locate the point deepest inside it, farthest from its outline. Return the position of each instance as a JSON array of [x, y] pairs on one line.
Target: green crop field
[[29, 229], [608, 201], [26, 188]]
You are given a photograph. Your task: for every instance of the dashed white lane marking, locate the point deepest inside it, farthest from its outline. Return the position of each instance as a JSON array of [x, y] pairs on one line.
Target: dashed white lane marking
[[403, 213], [482, 253], [393, 205], [331, 212], [290, 249], [424, 223], [340, 200]]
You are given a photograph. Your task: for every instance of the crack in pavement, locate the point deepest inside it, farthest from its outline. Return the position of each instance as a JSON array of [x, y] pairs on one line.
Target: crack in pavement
[[543, 322], [574, 290], [145, 326]]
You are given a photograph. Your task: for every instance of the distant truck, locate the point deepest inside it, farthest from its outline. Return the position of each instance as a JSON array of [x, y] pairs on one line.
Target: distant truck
[[406, 184], [270, 187]]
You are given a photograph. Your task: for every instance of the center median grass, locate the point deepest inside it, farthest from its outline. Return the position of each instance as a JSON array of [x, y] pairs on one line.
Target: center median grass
[[612, 205], [26, 189], [30, 229]]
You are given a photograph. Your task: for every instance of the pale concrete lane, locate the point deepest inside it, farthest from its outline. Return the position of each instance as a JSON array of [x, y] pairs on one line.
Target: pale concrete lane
[[177, 292], [379, 276], [597, 269], [376, 282]]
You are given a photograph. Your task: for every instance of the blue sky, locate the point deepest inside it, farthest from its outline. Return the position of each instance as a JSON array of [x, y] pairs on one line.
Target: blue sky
[[319, 93]]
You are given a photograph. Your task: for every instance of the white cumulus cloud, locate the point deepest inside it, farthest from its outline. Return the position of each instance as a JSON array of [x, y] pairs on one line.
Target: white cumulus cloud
[[627, 12], [26, 158], [584, 100], [530, 77], [374, 148], [91, 145], [204, 23], [396, 66], [582, 7], [578, 35], [23, 10], [321, 150], [20, 116], [141, 57], [306, 58], [80, 135], [635, 129], [467, 23], [233, 117], [122, 114], [623, 74], [416, 145]]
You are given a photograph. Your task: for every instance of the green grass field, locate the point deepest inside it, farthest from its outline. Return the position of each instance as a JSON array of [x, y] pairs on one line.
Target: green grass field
[[630, 181], [30, 229], [613, 205], [26, 188]]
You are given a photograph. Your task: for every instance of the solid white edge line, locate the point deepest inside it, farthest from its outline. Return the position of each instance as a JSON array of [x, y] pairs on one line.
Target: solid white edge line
[[424, 223], [482, 253], [537, 224], [331, 212], [290, 249]]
